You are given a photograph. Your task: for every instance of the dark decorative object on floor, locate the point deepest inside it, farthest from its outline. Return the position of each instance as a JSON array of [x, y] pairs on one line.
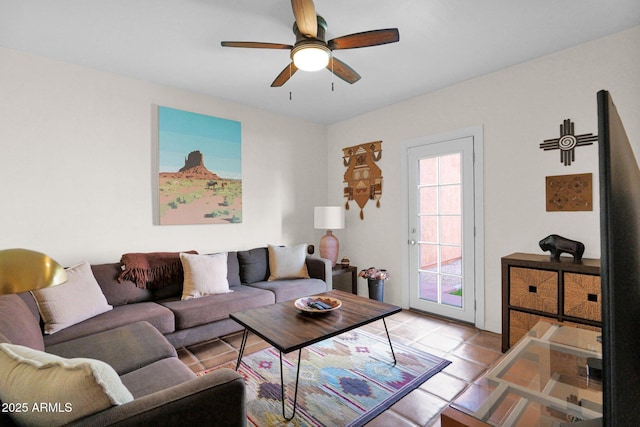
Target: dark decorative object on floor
[[375, 278], [558, 245], [376, 289]]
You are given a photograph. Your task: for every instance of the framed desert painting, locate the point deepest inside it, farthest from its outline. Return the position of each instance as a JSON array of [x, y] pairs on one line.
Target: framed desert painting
[[200, 165]]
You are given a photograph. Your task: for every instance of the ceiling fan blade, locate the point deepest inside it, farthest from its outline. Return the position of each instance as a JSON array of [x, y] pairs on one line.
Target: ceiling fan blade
[[306, 20], [257, 45], [343, 71], [365, 39], [285, 75]]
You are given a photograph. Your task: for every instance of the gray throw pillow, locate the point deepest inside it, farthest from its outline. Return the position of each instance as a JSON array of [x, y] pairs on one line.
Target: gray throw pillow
[[254, 265]]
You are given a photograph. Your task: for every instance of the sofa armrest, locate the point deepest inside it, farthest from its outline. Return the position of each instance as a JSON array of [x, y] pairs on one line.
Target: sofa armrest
[[215, 399], [320, 268]]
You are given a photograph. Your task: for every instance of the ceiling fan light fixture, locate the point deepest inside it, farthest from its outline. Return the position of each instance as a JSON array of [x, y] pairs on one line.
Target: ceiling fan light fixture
[[311, 57]]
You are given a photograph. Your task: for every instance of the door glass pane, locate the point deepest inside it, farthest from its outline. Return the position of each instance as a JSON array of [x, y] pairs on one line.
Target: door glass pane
[[450, 199], [428, 200], [428, 257], [429, 229], [451, 229], [429, 171], [451, 290], [428, 286], [450, 169], [451, 259]]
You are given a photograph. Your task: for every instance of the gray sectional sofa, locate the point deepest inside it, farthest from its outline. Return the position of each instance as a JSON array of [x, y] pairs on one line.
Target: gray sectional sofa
[[184, 323], [139, 336]]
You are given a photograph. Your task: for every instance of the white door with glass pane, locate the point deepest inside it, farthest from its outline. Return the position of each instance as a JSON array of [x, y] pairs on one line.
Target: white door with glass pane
[[441, 228]]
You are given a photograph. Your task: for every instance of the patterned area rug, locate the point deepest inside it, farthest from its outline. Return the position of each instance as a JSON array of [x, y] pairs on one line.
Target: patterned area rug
[[344, 381]]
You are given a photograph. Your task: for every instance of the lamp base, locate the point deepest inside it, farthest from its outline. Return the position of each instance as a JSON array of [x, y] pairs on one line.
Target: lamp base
[[329, 247]]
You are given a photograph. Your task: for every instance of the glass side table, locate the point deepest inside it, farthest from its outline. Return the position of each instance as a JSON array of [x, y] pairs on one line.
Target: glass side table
[[550, 377]]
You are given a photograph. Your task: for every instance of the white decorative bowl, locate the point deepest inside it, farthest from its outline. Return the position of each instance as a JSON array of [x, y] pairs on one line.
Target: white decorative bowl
[[303, 304]]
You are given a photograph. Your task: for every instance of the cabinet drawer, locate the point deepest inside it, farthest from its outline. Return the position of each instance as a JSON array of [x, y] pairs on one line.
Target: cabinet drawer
[[520, 323], [582, 296], [534, 289]]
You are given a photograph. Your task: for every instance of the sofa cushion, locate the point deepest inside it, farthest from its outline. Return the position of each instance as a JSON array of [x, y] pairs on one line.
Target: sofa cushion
[[286, 290], [160, 317], [157, 376], [118, 293], [143, 345], [254, 265], [81, 386], [199, 311], [204, 275], [78, 299], [202, 333], [233, 269], [288, 262], [17, 323]]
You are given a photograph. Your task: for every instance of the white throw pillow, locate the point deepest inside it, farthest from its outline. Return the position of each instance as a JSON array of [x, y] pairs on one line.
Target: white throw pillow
[[288, 262], [47, 390], [78, 299], [204, 275]]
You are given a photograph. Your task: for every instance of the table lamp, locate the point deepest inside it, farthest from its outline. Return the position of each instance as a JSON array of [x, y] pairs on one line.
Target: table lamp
[[329, 218], [23, 270]]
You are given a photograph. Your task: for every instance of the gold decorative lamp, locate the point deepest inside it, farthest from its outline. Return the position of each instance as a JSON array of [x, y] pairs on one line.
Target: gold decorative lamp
[[23, 270], [329, 218]]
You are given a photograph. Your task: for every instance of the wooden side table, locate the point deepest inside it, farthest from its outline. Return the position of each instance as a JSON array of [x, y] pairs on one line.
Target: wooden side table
[[535, 287], [345, 278]]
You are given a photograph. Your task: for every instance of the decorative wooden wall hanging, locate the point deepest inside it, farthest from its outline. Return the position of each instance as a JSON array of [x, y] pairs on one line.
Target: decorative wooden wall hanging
[[568, 142], [570, 193], [363, 178]]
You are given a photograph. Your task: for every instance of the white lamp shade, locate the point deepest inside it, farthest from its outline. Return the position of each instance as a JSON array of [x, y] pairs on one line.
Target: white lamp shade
[[328, 217], [311, 58]]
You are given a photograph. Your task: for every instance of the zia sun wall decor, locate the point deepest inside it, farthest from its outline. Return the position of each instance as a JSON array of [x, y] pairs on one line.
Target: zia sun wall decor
[[363, 178], [568, 142], [200, 166]]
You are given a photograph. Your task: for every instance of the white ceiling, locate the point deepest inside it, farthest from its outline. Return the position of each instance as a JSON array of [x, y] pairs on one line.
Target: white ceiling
[[177, 43]]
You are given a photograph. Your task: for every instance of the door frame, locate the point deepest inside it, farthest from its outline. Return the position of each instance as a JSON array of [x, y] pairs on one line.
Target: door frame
[[475, 132]]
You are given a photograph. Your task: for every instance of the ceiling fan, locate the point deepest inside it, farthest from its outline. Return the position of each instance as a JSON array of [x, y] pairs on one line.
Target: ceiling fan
[[311, 52]]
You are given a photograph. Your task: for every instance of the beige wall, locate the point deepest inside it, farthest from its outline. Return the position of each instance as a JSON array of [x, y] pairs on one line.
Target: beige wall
[[78, 171], [518, 108]]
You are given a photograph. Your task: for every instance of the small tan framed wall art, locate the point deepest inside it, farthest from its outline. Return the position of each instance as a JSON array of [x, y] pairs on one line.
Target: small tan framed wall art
[[569, 193]]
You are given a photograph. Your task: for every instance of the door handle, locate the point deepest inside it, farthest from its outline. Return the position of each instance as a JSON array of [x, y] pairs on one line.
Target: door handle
[[412, 242]]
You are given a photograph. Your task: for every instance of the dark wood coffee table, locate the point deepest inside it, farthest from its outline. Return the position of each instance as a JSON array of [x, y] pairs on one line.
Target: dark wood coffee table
[[286, 328]]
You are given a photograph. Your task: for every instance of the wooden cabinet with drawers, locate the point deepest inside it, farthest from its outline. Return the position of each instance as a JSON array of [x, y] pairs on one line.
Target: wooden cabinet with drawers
[[535, 287]]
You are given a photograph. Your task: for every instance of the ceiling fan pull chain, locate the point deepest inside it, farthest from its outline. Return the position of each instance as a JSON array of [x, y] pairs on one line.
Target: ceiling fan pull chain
[[290, 74], [332, 71]]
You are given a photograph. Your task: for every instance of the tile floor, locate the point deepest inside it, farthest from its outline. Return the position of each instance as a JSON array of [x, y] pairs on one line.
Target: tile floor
[[471, 350]]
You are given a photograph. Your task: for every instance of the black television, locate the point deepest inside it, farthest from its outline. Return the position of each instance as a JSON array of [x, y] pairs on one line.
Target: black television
[[620, 268]]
